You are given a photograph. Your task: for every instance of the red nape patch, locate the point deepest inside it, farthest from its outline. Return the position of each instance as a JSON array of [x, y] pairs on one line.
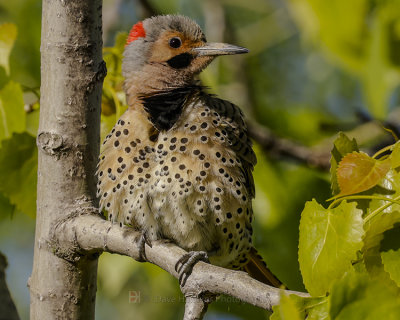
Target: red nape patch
[[136, 32]]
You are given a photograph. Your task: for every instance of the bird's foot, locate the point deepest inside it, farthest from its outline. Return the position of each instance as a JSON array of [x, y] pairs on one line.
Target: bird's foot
[[144, 239], [185, 264]]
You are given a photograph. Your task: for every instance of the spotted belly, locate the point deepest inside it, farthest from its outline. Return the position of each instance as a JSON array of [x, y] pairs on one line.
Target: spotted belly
[[192, 205], [184, 185]]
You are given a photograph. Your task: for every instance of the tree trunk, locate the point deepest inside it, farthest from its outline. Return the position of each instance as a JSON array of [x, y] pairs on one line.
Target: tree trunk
[[63, 283]]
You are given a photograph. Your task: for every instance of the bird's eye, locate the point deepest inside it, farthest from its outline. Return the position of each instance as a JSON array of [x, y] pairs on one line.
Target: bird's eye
[[175, 42]]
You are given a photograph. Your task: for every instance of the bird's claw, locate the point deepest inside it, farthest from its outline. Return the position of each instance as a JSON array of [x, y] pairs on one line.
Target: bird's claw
[[185, 264], [143, 240]]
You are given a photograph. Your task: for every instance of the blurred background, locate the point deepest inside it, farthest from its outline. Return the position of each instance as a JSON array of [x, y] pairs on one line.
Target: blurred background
[[315, 68]]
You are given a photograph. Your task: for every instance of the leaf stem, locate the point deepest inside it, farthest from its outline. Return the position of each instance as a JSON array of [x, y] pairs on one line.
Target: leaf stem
[[317, 303], [382, 151], [380, 209], [392, 201]]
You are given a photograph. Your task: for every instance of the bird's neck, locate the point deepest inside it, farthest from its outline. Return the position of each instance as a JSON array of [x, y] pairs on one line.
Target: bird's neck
[[153, 79], [164, 109]]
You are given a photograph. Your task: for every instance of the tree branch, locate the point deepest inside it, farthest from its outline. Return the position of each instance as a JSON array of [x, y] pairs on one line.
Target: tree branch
[[287, 148], [370, 133], [93, 234]]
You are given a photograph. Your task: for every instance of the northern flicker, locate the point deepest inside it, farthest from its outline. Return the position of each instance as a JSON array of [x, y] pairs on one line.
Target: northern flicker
[[178, 163]]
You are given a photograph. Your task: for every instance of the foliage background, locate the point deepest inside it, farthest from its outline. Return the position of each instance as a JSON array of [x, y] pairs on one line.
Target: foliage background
[[315, 68]]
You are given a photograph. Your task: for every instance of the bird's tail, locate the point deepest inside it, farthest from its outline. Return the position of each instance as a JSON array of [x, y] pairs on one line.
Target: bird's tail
[[257, 269]]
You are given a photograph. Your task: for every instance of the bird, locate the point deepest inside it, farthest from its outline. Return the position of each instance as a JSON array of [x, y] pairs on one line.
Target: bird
[[177, 165]]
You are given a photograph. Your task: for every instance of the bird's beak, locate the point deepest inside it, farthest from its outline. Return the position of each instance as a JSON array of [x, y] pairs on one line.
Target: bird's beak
[[218, 49]]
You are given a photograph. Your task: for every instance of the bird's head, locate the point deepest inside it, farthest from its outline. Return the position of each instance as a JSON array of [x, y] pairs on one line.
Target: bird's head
[[166, 52]]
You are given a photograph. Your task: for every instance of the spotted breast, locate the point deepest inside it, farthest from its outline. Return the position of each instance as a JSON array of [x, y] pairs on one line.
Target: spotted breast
[[191, 184]]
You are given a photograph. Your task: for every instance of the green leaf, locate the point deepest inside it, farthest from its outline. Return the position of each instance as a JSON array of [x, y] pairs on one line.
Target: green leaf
[[389, 188], [8, 34], [12, 114], [374, 234], [391, 254], [312, 308], [318, 310], [346, 290], [375, 228], [304, 308], [372, 259], [18, 169], [286, 310], [329, 241], [359, 172], [356, 297], [383, 220], [342, 146]]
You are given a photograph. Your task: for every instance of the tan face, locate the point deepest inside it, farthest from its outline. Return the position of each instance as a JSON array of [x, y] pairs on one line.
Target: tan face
[[170, 44], [176, 50]]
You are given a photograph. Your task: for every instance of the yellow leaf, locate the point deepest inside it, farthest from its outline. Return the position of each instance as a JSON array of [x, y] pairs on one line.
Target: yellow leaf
[[358, 172]]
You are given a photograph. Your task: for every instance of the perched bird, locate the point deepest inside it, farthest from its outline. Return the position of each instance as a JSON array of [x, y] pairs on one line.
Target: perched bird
[[178, 163]]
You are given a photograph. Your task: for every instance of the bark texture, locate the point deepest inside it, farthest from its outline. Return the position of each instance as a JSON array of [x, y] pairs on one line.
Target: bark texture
[[63, 282]]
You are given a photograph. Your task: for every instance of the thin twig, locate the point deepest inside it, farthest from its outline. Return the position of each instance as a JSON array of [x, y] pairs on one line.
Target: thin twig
[[281, 147], [195, 308]]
